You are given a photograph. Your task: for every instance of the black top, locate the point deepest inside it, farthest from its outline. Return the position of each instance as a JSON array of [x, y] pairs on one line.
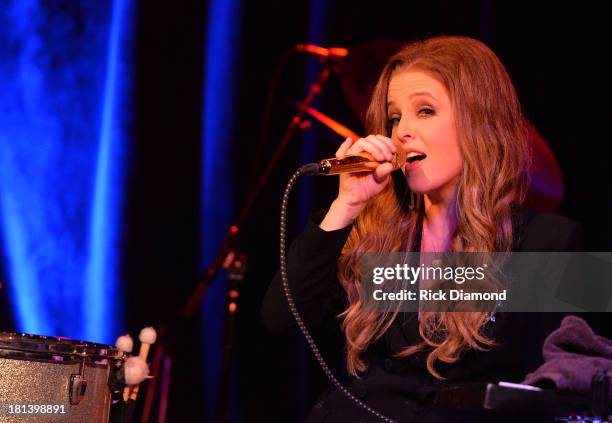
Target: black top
[[402, 387]]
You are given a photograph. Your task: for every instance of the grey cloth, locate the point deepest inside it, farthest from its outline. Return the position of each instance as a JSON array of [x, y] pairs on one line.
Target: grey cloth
[[573, 354]]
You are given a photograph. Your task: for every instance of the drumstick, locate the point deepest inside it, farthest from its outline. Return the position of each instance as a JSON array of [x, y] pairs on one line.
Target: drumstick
[[147, 337], [125, 344]]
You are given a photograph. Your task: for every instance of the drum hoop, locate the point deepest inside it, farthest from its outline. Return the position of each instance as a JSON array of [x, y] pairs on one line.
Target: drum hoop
[[56, 346]]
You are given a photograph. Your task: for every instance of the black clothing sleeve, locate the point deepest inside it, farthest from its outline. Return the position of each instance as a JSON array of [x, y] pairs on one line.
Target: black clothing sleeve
[[548, 232], [313, 281]]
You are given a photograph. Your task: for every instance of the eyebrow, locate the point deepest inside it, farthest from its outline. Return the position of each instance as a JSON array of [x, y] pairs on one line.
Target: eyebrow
[[415, 94]]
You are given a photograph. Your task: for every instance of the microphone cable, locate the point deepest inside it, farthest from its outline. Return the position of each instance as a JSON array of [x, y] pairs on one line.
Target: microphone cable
[[311, 169]]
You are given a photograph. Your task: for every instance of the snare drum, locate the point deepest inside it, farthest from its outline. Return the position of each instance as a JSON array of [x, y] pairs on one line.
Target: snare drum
[[47, 379]]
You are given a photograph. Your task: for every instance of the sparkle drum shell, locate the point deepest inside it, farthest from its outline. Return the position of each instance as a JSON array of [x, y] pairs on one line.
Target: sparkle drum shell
[[71, 376]]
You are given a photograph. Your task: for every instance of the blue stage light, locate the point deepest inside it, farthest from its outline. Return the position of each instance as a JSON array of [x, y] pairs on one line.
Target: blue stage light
[[64, 76], [221, 55]]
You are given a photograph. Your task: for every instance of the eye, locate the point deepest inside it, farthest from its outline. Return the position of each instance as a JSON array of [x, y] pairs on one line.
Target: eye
[[393, 121], [426, 111]]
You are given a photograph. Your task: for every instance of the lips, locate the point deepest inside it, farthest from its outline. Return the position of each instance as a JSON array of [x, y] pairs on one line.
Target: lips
[[414, 159]]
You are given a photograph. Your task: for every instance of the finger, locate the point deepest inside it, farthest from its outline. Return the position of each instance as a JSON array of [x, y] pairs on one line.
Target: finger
[[382, 146], [355, 147], [382, 172], [393, 146], [386, 144], [382, 137], [366, 145], [344, 147]]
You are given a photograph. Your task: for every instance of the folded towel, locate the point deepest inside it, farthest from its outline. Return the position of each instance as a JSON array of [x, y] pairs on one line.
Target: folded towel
[[573, 353]]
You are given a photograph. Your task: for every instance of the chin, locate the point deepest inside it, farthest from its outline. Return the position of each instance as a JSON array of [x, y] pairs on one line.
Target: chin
[[421, 182], [420, 185]]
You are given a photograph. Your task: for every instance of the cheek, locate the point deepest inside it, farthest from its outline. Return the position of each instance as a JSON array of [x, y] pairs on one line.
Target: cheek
[[448, 159], [447, 146], [444, 162]]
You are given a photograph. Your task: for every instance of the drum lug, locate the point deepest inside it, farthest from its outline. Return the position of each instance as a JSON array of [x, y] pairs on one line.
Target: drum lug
[[77, 388]]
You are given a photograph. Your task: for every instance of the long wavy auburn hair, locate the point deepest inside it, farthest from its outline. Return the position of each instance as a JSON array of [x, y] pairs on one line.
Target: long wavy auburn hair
[[492, 186]]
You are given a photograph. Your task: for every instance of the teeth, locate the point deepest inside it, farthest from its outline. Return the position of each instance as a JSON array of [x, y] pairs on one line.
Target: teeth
[[413, 157]]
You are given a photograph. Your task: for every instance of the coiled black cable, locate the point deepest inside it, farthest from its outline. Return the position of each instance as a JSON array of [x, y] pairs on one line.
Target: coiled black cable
[[311, 169]]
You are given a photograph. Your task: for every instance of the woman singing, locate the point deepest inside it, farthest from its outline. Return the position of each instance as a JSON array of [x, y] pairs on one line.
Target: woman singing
[[449, 102]]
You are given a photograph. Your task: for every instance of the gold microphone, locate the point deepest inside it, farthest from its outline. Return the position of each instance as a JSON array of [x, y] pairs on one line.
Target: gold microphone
[[359, 162]]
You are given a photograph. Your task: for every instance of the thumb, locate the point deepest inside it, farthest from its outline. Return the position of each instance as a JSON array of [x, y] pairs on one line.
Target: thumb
[[382, 172]]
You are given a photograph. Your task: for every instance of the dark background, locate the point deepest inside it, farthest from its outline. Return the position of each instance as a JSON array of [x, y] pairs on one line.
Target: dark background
[[556, 55]]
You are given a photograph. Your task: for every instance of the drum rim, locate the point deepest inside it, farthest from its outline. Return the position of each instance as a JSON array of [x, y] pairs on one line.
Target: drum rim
[[55, 345]]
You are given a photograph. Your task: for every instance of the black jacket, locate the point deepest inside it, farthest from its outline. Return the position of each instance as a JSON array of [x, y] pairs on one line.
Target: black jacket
[[402, 387]]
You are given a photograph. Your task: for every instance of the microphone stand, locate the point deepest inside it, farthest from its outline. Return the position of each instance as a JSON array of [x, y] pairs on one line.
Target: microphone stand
[[237, 270], [227, 255]]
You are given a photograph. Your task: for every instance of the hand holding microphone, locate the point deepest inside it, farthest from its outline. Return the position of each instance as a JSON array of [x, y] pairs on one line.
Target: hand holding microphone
[[367, 181]]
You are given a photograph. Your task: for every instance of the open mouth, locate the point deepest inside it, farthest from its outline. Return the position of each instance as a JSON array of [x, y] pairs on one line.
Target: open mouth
[[415, 157]]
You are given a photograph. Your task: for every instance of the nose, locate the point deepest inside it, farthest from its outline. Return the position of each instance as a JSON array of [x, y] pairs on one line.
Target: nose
[[404, 131]]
